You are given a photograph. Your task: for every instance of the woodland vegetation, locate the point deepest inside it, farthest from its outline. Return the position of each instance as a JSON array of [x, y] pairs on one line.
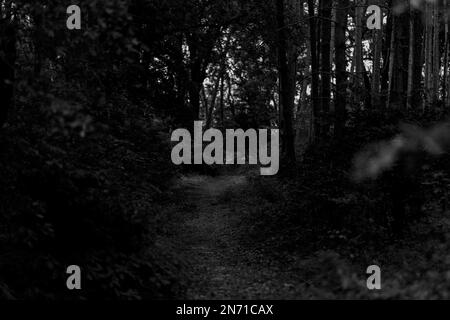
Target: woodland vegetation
[[86, 118]]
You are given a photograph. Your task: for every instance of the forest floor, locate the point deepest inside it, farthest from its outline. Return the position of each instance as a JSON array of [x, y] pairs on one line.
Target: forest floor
[[219, 265], [213, 231]]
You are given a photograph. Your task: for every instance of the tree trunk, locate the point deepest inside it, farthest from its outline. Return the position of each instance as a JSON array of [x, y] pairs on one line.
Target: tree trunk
[[341, 67], [211, 105], [377, 52], [412, 40], [305, 81], [446, 82], [399, 60], [7, 59], [436, 52], [415, 61], [386, 53], [314, 68], [222, 104], [428, 50], [230, 97], [417, 94], [325, 87], [194, 89], [287, 102], [196, 79], [358, 53], [392, 53], [333, 31], [200, 49]]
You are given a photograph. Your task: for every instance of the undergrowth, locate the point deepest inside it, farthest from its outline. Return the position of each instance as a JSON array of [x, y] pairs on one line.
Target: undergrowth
[[337, 228], [77, 190]]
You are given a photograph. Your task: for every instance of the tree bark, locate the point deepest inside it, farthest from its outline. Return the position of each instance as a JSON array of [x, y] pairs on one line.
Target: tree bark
[[200, 49], [412, 40], [314, 68], [230, 97], [446, 82], [8, 56], [211, 105], [218, 86], [428, 51], [436, 52], [398, 84], [377, 52], [386, 53], [287, 103], [196, 78], [341, 67], [415, 61], [392, 53], [325, 84], [358, 54], [222, 104]]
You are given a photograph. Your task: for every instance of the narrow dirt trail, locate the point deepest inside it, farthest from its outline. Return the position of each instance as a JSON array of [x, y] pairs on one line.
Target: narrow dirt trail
[[219, 266]]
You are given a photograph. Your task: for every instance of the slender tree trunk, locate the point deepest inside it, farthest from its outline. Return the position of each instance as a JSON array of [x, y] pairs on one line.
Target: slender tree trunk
[[199, 52], [204, 99], [305, 81], [196, 80], [333, 32], [399, 59], [392, 53], [8, 55], [415, 61], [446, 82], [222, 102], [358, 53], [182, 112], [292, 55], [38, 30], [314, 68], [428, 55], [219, 84], [386, 53], [230, 97], [412, 40], [211, 106], [417, 96], [341, 67], [194, 89], [377, 52], [304, 116], [325, 87], [367, 88], [436, 52], [287, 103]]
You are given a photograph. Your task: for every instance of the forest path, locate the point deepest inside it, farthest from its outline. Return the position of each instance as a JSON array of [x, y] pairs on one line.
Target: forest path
[[218, 265]]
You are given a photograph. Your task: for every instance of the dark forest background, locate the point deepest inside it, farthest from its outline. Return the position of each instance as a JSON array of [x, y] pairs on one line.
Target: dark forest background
[[86, 117]]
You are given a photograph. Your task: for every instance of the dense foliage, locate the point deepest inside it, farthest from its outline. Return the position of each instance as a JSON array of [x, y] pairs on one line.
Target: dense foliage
[[86, 117]]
